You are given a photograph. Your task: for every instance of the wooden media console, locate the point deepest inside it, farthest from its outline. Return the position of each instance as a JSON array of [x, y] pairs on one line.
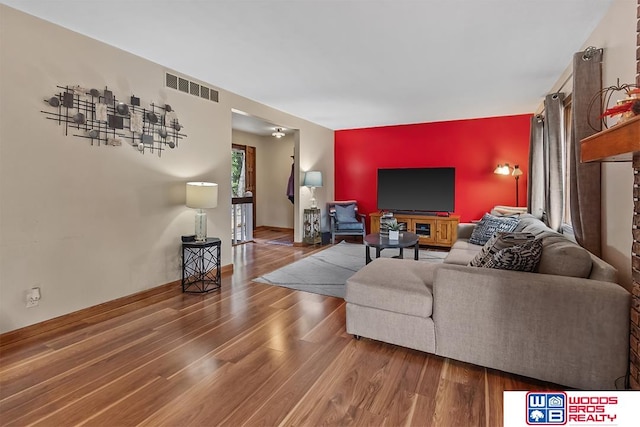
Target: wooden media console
[[431, 230]]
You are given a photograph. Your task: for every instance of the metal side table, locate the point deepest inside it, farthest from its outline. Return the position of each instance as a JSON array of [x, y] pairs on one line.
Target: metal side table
[[201, 266]]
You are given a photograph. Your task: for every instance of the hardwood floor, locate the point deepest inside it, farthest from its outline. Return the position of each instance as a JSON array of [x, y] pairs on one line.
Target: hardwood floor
[[251, 354]]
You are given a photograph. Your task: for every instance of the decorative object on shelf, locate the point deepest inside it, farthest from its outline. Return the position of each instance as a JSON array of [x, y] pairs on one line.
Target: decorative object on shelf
[[201, 196], [394, 230], [516, 173], [626, 108], [98, 116], [278, 133], [313, 179]]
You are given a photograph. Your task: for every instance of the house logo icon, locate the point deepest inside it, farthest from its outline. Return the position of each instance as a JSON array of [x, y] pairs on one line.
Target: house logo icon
[[546, 409], [556, 402]]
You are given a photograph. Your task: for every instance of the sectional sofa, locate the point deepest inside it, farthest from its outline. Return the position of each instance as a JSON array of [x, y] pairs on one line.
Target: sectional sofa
[[567, 322]]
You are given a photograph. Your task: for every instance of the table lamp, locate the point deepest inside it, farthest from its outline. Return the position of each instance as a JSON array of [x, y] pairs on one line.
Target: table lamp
[[200, 196], [313, 179]]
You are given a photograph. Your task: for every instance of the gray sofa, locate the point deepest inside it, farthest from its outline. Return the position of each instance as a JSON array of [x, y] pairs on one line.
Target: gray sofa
[[566, 323]]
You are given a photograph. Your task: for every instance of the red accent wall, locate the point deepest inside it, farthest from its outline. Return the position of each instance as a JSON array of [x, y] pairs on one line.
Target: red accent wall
[[474, 147]]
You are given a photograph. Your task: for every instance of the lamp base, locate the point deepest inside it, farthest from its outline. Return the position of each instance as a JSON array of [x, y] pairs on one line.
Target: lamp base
[[314, 202], [201, 226]]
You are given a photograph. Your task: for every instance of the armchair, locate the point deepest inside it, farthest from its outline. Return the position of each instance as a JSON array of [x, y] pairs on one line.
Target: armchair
[[345, 219]]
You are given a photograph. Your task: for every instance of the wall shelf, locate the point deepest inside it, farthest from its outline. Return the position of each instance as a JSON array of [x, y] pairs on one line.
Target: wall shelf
[[616, 144]]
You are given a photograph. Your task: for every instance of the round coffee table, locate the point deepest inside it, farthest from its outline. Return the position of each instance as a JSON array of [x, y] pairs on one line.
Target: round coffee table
[[379, 242]]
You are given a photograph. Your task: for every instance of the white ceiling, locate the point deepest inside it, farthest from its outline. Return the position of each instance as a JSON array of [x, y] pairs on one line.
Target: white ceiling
[[242, 121], [351, 63]]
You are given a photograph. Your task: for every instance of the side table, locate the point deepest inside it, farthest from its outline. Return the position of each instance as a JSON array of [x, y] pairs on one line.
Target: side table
[[201, 266], [311, 224], [380, 242]]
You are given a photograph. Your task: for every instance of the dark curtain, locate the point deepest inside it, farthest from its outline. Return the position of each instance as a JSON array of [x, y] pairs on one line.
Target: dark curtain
[[554, 148], [585, 177], [535, 184]]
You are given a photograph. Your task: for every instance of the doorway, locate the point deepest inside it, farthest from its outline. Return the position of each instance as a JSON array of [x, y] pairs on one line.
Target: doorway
[[243, 193], [266, 163]]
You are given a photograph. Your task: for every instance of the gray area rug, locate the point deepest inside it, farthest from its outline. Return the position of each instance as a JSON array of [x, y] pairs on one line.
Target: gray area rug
[[327, 271]]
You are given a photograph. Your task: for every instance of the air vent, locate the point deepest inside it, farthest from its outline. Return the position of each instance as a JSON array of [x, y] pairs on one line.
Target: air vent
[[183, 85], [172, 81], [195, 89]]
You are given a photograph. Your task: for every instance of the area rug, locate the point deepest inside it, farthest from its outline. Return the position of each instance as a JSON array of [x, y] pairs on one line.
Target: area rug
[[327, 271]]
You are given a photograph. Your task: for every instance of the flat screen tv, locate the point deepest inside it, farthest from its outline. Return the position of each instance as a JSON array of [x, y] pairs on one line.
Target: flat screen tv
[[417, 189]]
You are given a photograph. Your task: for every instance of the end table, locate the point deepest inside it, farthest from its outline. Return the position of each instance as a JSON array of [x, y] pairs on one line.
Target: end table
[[311, 226], [201, 266]]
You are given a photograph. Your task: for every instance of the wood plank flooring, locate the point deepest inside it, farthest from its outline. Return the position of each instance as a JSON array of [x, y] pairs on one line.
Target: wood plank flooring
[[251, 354]]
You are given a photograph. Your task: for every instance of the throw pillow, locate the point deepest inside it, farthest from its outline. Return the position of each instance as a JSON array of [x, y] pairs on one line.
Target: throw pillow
[[346, 213], [524, 257], [490, 225], [500, 240]]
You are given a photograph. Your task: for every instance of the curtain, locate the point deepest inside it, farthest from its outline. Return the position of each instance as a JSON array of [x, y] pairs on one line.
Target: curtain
[[585, 177], [535, 184], [554, 148]]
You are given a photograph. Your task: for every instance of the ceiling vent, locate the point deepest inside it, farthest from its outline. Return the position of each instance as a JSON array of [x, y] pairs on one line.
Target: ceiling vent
[[193, 88]]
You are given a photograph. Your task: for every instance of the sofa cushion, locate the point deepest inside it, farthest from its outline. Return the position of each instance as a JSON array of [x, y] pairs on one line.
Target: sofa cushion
[[350, 225], [531, 224], [500, 240], [522, 257], [401, 286], [489, 225], [461, 255], [562, 257], [500, 210]]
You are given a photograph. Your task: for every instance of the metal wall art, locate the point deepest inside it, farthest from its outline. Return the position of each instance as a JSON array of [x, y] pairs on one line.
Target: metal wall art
[[98, 116]]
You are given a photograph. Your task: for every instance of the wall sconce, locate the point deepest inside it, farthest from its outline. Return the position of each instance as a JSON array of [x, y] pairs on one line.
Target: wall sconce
[[313, 179], [202, 195], [516, 173]]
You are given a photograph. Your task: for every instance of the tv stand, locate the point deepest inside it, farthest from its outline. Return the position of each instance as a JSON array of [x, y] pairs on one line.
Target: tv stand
[[421, 213], [432, 230]]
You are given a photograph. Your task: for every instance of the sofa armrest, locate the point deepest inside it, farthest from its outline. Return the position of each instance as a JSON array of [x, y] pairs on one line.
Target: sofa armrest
[[465, 229], [565, 330]]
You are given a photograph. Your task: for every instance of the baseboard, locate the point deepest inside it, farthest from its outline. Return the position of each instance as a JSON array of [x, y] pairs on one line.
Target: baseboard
[[268, 227], [78, 317]]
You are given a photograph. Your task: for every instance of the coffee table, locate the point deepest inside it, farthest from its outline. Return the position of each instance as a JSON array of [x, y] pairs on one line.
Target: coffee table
[[379, 242]]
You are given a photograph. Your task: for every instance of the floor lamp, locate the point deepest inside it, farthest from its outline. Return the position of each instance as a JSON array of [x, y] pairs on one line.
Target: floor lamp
[[516, 173]]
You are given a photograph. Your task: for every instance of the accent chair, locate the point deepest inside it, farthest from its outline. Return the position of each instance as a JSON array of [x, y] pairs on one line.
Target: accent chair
[[345, 219]]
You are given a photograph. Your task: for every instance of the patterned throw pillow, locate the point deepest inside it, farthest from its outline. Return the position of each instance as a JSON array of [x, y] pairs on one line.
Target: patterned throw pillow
[[490, 225], [500, 240], [524, 257]]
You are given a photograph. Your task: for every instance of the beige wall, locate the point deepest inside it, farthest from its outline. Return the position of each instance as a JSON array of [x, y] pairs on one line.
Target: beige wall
[[273, 167], [89, 224]]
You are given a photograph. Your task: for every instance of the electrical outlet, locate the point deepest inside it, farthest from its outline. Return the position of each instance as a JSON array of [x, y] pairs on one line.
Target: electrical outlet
[[33, 297]]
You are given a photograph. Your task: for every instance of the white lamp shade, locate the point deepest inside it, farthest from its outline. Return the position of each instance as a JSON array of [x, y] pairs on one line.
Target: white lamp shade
[[502, 170], [516, 171], [202, 195], [313, 179]]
